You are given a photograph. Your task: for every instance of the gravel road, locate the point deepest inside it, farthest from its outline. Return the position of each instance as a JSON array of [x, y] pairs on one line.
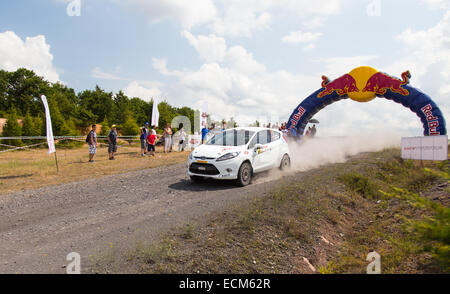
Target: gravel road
[[38, 228]]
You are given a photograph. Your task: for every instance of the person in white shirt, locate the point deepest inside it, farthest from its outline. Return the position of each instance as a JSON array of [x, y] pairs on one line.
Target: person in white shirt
[[182, 140]]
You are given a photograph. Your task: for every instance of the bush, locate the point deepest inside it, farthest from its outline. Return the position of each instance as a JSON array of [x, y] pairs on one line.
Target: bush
[[434, 231], [360, 184], [12, 129], [105, 128]]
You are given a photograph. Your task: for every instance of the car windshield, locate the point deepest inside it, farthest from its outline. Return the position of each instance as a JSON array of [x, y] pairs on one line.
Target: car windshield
[[231, 138]]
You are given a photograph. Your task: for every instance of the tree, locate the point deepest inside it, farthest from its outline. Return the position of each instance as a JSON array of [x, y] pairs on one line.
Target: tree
[[27, 126], [105, 127], [24, 90], [59, 124], [84, 117], [12, 129], [121, 110], [72, 112], [99, 102], [38, 128], [141, 110], [130, 127]]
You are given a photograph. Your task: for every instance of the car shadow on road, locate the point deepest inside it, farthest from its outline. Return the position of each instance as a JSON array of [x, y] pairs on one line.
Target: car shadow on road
[[205, 185]]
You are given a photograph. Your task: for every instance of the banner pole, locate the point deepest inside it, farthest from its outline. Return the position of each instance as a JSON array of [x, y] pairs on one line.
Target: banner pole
[[56, 161]]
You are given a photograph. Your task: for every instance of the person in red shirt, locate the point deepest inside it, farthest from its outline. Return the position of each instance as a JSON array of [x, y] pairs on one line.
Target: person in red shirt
[[151, 141]]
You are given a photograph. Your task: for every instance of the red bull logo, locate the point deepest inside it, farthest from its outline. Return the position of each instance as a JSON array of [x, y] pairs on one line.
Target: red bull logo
[[363, 84], [433, 121], [296, 117], [369, 80], [380, 82], [342, 86]]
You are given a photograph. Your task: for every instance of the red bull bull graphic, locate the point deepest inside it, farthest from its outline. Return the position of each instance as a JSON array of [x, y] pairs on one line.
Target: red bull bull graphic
[[363, 84], [342, 86], [381, 82]]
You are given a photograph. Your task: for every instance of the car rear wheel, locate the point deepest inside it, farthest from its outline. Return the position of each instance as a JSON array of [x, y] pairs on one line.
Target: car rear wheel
[[196, 179], [244, 174], [285, 162]]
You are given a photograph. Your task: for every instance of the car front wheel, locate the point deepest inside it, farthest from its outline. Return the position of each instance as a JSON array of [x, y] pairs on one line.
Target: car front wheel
[[244, 174], [285, 162]]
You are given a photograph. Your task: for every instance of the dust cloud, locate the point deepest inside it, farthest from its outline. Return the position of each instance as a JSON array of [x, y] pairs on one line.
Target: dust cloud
[[315, 152]]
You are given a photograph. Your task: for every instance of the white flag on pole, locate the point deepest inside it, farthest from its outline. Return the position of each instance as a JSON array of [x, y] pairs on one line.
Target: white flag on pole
[[50, 139], [155, 113]]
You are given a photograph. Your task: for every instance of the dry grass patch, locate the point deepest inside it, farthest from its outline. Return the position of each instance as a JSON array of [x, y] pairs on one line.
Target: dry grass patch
[[35, 168]]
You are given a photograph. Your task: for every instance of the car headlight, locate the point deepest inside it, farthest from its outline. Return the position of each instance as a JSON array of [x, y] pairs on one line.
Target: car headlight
[[228, 156]]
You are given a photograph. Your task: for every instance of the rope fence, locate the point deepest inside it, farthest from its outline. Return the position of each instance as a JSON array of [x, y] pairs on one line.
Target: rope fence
[[59, 138], [62, 137]]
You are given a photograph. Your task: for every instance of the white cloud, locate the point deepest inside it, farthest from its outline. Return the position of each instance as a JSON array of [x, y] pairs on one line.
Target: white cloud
[[437, 4], [187, 13], [136, 89], [98, 73], [161, 66], [309, 47], [242, 17], [426, 53], [315, 22], [242, 61], [33, 53], [337, 66], [235, 18], [239, 87], [301, 37], [211, 48], [427, 56], [307, 7]]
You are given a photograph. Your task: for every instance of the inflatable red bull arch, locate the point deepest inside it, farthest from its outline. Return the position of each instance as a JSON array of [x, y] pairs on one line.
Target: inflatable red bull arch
[[363, 84]]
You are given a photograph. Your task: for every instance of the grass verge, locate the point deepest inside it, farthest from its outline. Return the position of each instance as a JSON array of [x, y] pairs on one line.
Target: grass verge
[[323, 221], [20, 170]]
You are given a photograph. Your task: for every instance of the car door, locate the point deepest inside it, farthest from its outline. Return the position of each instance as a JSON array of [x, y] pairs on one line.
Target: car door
[[275, 148], [262, 157]]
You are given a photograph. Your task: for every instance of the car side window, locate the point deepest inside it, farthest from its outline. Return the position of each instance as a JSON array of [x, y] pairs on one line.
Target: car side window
[[263, 137], [275, 136]]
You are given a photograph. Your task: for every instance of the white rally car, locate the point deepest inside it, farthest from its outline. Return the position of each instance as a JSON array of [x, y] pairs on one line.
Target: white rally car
[[237, 154]]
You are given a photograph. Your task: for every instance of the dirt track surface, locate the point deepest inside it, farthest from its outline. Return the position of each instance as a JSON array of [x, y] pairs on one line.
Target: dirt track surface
[[38, 228]]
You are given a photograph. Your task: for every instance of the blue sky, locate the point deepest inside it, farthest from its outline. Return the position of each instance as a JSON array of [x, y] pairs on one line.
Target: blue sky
[[250, 59]]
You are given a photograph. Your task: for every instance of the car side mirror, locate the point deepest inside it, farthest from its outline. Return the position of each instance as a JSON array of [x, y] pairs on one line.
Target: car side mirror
[[258, 146]]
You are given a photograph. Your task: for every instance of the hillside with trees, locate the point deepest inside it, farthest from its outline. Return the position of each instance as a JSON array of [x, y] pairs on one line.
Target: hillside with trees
[[72, 113]]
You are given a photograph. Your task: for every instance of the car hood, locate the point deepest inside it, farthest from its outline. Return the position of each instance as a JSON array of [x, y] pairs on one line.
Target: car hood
[[213, 151]]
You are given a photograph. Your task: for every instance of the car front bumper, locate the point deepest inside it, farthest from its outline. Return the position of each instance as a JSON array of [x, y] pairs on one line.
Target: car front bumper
[[226, 170]]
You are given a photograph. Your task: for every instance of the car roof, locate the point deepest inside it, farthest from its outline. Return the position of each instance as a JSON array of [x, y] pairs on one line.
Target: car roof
[[254, 129]]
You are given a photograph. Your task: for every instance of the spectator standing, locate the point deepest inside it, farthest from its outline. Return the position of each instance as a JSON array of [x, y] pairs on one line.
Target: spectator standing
[[182, 140], [92, 140], [143, 137], [151, 142], [112, 140], [144, 133], [167, 138], [205, 132], [313, 131]]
